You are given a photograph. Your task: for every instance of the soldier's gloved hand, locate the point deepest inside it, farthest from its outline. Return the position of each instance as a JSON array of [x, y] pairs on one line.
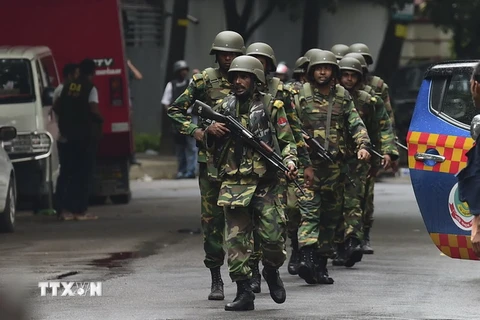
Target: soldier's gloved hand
[[386, 162], [217, 129], [292, 171], [363, 154], [198, 135], [308, 176]]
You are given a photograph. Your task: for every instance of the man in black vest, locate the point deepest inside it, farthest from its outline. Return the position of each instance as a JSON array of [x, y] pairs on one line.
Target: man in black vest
[[185, 146], [80, 124]]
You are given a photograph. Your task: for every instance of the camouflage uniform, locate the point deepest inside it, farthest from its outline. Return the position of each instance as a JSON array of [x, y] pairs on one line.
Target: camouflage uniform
[[287, 191], [324, 201], [209, 87]]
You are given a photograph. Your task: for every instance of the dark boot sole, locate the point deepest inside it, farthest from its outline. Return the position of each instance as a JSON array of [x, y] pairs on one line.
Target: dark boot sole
[[256, 289], [247, 307], [355, 257], [293, 270], [216, 297], [307, 274], [338, 263], [367, 251], [325, 281]]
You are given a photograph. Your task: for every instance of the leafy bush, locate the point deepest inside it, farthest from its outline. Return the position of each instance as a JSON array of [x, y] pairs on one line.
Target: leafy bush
[[145, 141]]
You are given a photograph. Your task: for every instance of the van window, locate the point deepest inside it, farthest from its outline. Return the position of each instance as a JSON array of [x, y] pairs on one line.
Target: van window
[[457, 101], [50, 70], [16, 82]]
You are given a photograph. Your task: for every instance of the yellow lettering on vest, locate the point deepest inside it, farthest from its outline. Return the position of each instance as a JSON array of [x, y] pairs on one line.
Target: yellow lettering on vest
[[75, 87]]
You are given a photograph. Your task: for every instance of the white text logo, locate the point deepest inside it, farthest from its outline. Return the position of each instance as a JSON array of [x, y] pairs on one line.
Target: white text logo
[[70, 289]]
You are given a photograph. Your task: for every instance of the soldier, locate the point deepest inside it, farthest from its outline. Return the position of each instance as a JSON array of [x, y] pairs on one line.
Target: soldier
[[265, 54], [210, 86], [328, 115], [299, 73], [375, 82], [340, 50], [249, 188], [375, 117], [368, 207]]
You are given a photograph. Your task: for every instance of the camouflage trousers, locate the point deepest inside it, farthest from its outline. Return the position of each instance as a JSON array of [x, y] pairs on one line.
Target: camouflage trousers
[[323, 207], [351, 223], [288, 196], [265, 216], [368, 205], [213, 220]]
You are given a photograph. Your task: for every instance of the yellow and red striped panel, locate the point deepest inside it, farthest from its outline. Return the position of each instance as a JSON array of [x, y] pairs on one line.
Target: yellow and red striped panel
[[454, 246], [453, 148]]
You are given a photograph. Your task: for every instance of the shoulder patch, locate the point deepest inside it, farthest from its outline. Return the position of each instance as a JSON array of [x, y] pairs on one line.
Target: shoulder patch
[[278, 104], [282, 121]]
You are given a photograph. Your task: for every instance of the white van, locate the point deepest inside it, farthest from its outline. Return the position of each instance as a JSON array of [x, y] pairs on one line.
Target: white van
[[28, 77]]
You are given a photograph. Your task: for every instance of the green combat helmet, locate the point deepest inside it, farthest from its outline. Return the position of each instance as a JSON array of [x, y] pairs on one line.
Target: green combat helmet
[[359, 57], [340, 50], [263, 49], [228, 41], [323, 57], [300, 65], [350, 64], [310, 52], [247, 64], [363, 49]]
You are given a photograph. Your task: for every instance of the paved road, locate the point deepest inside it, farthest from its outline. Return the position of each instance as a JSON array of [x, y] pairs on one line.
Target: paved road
[[164, 277]]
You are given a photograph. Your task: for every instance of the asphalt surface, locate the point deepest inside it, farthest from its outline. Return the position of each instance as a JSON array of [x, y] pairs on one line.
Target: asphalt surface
[[149, 257]]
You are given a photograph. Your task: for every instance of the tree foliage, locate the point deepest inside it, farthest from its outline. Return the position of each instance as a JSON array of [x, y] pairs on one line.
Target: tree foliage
[[461, 17]]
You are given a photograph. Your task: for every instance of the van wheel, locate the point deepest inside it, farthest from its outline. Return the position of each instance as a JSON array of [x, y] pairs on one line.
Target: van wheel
[[7, 217], [121, 198]]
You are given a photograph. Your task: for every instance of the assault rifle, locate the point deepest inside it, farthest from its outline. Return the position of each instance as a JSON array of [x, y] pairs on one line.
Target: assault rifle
[[236, 128], [322, 152], [400, 145]]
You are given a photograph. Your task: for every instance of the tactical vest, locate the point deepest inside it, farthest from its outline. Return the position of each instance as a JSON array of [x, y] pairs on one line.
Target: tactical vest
[[378, 85], [212, 80], [274, 86], [322, 118], [177, 90], [76, 122], [235, 159]]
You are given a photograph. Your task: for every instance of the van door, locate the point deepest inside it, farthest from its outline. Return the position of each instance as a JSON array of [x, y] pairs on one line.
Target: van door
[[438, 139]]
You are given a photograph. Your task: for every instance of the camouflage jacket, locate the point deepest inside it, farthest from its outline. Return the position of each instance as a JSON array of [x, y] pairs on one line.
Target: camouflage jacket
[[373, 113], [345, 120], [281, 92], [381, 88], [209, 87], [239, 167]]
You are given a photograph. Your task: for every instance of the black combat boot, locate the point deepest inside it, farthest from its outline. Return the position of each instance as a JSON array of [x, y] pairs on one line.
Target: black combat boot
[[294, 256], [306, 267], [275, 284], [354, 252], [322, 271], [217, 285], [367, 249], [340, 257], [244, 299], [256, 280]]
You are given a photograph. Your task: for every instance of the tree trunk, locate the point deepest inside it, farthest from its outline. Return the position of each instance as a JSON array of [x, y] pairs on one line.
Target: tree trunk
[[389, 57], [311, 16], [176, 52]]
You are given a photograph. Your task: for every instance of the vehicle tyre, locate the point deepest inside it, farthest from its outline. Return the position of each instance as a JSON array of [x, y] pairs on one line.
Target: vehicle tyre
[[121, 198], [7, 217]]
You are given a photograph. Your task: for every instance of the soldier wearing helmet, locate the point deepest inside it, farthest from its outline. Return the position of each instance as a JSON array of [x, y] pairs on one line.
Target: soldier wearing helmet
[[340, 50], [328, 115], [300, 71], [381, 89], [210, 86], [375, 117], [249, 187], [377, 83], [265, 54]]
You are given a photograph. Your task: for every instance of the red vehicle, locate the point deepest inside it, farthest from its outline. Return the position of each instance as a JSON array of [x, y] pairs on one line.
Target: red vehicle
[[73, 31]]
